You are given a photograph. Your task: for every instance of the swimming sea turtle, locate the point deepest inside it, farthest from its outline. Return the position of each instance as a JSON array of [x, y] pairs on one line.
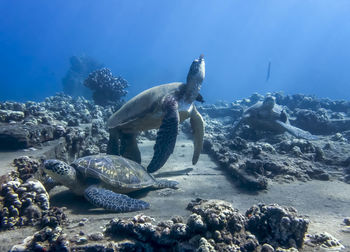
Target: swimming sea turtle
[[267, 115], [163, 107], [103, 180]]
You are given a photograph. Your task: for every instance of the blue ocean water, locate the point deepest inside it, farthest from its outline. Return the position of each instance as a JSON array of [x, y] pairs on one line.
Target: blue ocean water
[[306, 43]]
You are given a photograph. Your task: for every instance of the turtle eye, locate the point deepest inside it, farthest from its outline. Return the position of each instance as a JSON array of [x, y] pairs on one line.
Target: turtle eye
[[50, 164]]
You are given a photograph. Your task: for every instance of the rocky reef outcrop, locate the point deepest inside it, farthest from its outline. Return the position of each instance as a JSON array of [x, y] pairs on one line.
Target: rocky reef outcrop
[[276, 225], [212, 226], [19, 136], [107, 89], [254, 157], [216, 226], [78, 122]]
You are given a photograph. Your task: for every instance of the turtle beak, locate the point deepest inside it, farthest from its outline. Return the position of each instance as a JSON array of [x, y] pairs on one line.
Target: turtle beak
[[201, 67], [197, 71]]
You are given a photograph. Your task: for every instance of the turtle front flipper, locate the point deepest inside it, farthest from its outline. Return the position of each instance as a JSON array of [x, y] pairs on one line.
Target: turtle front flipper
[[297, 132], [112, 201], [166, 136], [197, 125]]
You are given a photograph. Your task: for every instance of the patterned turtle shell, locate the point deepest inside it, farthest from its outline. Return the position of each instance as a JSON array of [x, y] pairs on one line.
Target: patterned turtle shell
[[115, 171]]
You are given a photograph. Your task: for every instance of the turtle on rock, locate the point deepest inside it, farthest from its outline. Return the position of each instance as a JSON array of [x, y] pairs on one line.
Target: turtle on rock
[[267, 115], [104, 180], [163, 107]]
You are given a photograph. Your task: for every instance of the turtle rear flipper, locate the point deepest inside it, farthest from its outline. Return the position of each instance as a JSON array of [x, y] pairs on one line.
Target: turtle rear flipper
[[197, 125], [113, 147], [166, 136], [297, 132], [236, 125], [129, 148], [284, 117], [164, 183], [112, 201]]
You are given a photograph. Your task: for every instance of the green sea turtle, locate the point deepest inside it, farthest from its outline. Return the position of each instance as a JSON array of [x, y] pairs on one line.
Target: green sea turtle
[[163, 107], [104, 179], [267, 115]]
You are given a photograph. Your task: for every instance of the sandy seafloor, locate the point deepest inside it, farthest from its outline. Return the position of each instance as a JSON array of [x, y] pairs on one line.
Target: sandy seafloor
[[324, 203]]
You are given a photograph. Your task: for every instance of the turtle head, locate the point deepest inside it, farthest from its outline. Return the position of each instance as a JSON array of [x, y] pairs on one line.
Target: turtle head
[[60, 171], [269, 102], [195, 78]]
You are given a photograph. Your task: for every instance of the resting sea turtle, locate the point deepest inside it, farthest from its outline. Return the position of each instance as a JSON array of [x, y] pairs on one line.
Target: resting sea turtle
[[103, 180], [163, 107], [267, 115]]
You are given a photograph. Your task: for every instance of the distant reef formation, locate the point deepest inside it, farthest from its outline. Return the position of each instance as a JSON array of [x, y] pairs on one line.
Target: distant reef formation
[[107, 89], [79, 69]]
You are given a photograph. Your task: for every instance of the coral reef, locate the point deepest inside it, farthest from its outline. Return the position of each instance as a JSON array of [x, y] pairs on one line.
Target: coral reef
[[254, 157], [276, 225], [10, 115], [24, 199], [47, 239], [78, 121], [106, 88], [215, 226], [325, 241], [80, 67], [26, 167], [23, 203]]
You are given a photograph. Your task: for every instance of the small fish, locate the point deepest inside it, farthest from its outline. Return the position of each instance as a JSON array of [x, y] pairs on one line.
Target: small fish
[[268, 71]]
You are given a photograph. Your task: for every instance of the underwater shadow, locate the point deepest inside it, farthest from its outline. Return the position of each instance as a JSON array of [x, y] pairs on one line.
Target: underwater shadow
[[239, 186], [173, 173], [246, 190], [235, 182]]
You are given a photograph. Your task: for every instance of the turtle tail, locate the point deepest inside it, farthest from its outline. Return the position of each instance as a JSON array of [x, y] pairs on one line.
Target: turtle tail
[[166, 136]]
